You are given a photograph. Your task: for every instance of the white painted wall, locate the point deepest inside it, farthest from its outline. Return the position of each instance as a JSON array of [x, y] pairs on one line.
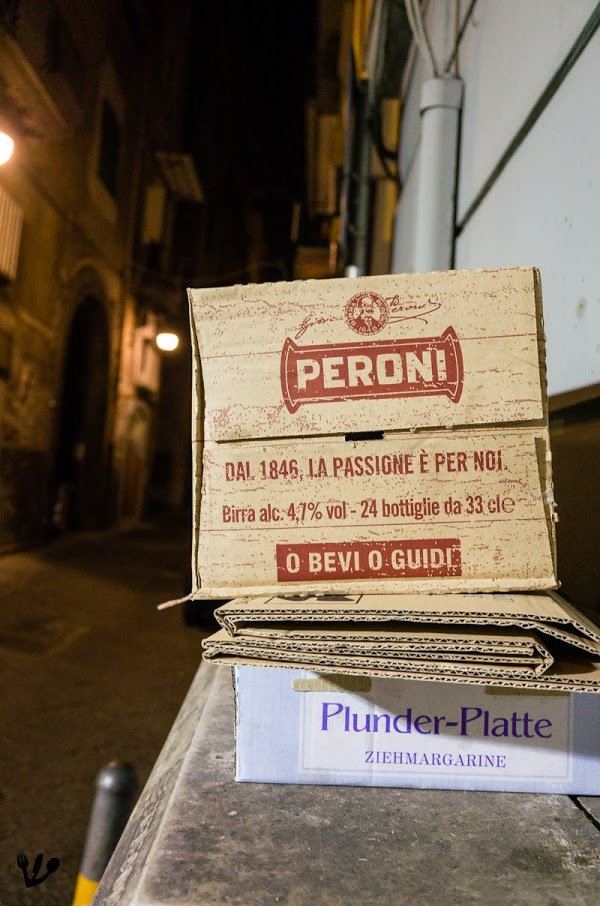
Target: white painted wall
[[544, 210], [506, 60], [403, 247]]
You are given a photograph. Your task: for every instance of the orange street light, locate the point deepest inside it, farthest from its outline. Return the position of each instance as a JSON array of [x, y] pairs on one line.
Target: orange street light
[[6, 147], [167, 341]]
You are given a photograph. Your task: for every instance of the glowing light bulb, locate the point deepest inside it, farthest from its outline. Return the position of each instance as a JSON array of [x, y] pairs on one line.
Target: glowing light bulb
[[167, 341], [6, 147]]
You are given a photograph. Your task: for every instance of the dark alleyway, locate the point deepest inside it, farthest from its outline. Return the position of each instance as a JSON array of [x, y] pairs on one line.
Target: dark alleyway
[[89, 671]]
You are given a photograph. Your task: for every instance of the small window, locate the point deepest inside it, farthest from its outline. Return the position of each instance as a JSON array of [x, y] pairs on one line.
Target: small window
[[110, 137]]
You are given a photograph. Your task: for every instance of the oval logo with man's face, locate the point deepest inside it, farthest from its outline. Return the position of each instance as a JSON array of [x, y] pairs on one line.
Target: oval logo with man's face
[[366, 313]]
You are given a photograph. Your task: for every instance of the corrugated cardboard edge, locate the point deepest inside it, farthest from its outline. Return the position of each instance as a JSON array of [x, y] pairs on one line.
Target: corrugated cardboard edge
[[541, 333], [221, 643], [578, 619], [503, 642], [545, 456], [382, 586], [521, 623], [197, 441], [557, 683], [560, 627], [506, 648]]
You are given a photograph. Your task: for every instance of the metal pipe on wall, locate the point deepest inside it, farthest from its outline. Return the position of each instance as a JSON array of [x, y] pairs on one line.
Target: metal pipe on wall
[[432, 219], [360, 190]]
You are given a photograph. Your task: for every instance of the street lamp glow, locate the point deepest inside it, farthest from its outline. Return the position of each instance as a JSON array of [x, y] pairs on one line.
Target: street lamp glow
[[6, 147], [167, 341]]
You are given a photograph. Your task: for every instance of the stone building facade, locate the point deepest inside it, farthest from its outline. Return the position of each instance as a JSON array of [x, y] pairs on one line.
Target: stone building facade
[[93, 96]]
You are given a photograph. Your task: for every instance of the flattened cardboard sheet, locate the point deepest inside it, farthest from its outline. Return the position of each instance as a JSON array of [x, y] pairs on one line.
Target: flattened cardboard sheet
[[578, 674], [402, 640], [527, 657], [559, 650], [542, 613]]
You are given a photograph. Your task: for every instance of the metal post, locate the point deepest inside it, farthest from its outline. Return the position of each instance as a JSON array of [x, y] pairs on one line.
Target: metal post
[[116, 785]]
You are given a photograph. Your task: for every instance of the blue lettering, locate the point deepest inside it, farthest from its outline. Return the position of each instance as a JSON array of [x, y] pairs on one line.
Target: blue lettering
[[367, 726], [327, 713], [407, 717], [543, 724], [466, 719], [386, 719], [419, 721]]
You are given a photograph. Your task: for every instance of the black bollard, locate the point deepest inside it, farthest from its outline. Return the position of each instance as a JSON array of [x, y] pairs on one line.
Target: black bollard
[[116, 785]]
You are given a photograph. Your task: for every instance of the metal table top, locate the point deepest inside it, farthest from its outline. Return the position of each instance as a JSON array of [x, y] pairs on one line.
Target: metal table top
[[198, 837]]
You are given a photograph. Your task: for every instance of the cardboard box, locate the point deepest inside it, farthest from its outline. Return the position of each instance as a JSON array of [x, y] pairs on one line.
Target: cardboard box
[[289, 493], [536, 642], [296, 726]]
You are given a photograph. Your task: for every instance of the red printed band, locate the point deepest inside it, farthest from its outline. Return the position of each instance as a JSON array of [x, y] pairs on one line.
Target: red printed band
[[427, 558], [431, 366]]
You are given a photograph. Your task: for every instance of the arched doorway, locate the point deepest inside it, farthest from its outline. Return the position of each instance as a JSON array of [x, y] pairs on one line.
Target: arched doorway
[[81, 458]]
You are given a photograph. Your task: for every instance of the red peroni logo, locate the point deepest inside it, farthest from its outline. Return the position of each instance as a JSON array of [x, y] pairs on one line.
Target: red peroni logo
[[367, 313], [430, 366]]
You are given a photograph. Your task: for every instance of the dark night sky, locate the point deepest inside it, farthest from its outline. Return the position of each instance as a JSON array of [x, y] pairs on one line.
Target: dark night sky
[[252, 70]]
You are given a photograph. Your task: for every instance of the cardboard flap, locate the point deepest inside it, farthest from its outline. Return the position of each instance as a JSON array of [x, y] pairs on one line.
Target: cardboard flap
[[411, 636], [576, 675], [397, 647], [389, 657], [371, 354], [543, 613], [442, 511]]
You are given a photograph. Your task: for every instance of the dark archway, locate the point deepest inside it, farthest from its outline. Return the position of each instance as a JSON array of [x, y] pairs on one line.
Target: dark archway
[[81, 471]]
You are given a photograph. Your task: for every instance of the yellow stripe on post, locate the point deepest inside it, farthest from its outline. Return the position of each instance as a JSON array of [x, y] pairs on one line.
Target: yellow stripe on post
[[115, 789], [84, 891]]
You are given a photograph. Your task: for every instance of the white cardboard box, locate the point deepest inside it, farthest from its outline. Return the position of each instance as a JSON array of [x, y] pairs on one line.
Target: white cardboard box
[[295, 726]]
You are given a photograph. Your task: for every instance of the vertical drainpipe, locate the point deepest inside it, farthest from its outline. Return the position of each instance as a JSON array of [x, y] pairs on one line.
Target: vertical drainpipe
[[441, 101], [360, 189]]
